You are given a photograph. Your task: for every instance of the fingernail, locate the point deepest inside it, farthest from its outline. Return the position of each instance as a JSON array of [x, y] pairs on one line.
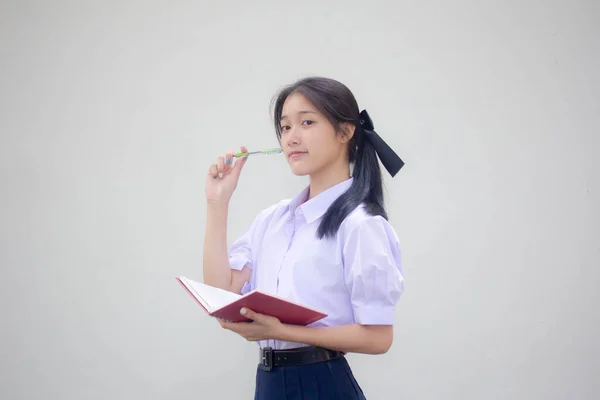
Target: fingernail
[[214, 177], [220, 174], [227, 161], [243, 311], [245, 157]]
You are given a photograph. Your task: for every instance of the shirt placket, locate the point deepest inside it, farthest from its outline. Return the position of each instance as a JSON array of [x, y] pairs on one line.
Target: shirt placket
[[296, 224]]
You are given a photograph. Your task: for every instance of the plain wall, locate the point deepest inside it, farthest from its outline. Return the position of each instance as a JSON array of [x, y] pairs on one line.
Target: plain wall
[[111, 112]]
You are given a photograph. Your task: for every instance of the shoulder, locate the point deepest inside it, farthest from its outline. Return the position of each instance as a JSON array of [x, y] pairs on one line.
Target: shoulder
[[360, 221], [361, 229], [272, 213]]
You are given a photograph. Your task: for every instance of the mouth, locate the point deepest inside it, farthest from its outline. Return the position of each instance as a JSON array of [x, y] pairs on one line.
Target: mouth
[[296, 154]]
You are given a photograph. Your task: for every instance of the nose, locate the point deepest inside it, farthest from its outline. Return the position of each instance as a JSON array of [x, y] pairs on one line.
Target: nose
[[293, 137]]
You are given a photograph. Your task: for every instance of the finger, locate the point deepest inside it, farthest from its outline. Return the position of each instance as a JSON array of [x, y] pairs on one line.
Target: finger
[[220, 164], [250, 314], [239, 163], [227, 325], [228, 162], [213, 170]]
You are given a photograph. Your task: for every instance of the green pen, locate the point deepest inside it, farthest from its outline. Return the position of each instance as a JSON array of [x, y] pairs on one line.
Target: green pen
[[268, 151]]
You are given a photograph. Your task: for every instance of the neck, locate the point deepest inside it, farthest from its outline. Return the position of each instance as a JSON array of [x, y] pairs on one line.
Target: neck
[[323, 180]]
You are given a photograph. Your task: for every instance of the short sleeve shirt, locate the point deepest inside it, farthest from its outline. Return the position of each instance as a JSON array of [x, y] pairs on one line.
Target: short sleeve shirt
[[354, 277]]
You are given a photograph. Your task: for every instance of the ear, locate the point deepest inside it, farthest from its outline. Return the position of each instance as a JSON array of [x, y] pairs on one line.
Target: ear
[[347, 132]]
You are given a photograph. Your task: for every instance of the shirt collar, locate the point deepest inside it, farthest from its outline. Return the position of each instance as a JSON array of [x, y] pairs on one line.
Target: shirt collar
[[317, 206]]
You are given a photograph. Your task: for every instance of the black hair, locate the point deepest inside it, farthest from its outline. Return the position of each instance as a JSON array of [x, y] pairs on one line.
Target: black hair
[[337, 103]]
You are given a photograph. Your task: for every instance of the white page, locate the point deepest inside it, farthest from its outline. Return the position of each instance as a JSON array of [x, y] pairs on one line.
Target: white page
[[213, 297], [194, 293]]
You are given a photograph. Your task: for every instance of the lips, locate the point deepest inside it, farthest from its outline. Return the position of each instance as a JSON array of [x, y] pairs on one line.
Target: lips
[[296, 154]]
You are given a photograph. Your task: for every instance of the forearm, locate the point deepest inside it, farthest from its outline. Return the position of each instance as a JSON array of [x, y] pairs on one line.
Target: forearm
[[352, 338], [216, 269]]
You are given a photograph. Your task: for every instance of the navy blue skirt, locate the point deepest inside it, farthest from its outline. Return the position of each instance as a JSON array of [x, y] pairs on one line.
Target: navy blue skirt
[[329, 380]]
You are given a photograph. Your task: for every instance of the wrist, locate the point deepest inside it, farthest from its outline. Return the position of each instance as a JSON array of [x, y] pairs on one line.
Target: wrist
[[217, 205], [289, 333], [282, 332]]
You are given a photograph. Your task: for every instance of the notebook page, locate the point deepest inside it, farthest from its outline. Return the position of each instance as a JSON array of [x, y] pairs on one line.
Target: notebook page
[[211, 296], [188, 285]]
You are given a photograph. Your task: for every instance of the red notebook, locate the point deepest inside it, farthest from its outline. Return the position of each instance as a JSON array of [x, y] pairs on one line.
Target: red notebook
[[226, 305]]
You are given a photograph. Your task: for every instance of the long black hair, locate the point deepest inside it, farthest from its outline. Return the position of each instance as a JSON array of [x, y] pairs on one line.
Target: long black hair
[[336, 102]]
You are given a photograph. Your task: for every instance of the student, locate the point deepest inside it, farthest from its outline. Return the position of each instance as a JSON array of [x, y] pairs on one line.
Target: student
[[330, 247]]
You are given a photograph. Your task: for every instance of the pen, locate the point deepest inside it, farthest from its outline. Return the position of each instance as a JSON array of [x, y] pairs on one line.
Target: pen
[[268, 151]]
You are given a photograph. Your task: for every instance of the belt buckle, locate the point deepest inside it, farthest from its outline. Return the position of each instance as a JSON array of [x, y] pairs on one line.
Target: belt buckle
[[267, 358]]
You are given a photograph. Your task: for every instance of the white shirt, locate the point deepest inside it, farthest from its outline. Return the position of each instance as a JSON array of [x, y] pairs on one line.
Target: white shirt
[[355, 277]]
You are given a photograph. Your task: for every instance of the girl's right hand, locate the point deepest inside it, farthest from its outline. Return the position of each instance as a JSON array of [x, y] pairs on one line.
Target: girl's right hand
[[223, 176]]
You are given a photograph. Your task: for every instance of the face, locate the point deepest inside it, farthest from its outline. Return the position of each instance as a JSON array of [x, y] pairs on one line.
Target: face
[[309, 141]]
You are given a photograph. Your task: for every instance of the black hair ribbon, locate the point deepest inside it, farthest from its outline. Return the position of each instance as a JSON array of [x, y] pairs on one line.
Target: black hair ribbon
[[388, 157]]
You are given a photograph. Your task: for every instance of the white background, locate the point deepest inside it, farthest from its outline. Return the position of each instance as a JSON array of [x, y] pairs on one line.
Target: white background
[[111, 112]]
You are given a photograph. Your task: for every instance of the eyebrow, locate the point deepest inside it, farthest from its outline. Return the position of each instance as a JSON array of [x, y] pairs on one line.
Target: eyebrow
[[300, 113]]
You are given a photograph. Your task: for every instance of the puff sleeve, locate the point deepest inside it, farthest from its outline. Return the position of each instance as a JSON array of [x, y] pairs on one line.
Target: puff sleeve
[[240, 251], [373, 270]]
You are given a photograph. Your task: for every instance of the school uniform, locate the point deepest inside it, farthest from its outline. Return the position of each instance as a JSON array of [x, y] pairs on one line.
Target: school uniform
[[355, 277]]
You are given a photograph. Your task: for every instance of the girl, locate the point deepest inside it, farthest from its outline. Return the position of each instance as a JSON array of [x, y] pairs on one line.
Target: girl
[[329, 248]]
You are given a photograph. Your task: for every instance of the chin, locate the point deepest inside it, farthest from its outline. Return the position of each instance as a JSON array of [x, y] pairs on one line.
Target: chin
[[300, 170]]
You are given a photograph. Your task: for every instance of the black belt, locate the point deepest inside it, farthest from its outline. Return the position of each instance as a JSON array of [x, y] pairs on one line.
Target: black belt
[[270, 358]]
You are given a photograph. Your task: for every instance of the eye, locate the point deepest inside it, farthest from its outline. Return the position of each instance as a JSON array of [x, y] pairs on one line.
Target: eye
[[284, 128], [307, 122]]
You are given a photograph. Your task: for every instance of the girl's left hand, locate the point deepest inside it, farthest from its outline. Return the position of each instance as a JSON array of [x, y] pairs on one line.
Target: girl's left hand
[[262, 327]]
